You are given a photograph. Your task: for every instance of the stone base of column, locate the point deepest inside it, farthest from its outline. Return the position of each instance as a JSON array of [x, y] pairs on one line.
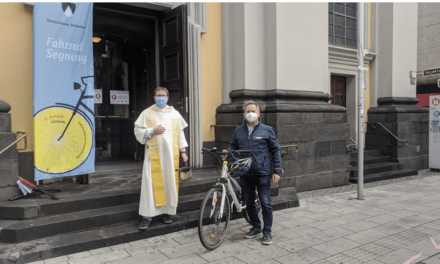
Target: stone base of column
[[407, 121], [299, 118], [8, 159]]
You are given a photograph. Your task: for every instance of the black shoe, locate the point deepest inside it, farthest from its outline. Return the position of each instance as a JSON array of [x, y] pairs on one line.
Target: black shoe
[[167, 219], [253, 232], [144, 224], [267, 238]]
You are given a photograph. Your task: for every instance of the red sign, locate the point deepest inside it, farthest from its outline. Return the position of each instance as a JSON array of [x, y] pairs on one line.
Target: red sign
[[114, 97], [435, 101]]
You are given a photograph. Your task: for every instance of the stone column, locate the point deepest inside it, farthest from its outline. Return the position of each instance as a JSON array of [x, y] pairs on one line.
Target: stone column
[[277, 55], [8, 160], [397, 106]]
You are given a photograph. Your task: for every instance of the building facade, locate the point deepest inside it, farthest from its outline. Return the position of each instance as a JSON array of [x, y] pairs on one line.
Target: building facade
[[298, 60]]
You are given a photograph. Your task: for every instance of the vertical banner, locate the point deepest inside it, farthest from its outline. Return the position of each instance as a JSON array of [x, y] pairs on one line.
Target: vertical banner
[[63, 90]]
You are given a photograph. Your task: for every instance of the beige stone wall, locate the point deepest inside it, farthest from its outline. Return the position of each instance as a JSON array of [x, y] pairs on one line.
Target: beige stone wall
[[16, 65], [211, 51]]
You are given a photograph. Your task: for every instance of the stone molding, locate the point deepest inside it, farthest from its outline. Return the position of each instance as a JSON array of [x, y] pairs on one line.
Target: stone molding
[[397, 105], [4, 107], [275, 101]]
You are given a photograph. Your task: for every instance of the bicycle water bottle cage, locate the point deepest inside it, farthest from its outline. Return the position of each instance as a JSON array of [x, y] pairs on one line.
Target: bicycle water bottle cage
[[240, 167]]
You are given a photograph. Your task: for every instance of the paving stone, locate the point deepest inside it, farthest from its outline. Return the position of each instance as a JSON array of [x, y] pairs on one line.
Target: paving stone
[[187, 239], [300, 243], [79, 255], [352, 217], [431, 260], [341, 258], [337, 246], [102, 258], [382, 219], [293, 222], [300, 231], [366, 236], [425, 246], [403, 213], [262, 254], [224, 251], [120, 246], [230, 260], [375, 248], [360, 254], [359, 226], [332, 233], [308, 255], [143, 248], [189, 259], [414, 220], [100, 251], [149, 257], [323, 225], [56, 260], [398, 256], [392, 228], [375, 211], [390, 243]]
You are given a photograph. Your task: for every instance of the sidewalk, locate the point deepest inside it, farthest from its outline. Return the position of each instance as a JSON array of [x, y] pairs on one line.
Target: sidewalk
[[398, 222]]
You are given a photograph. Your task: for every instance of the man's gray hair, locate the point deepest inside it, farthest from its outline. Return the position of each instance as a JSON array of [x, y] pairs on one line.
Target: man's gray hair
[[250, 103]]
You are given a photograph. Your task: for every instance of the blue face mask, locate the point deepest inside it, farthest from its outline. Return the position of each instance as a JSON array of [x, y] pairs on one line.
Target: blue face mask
[[161, 101]]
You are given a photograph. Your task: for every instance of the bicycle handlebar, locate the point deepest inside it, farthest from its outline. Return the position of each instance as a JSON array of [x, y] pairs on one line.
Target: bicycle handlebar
[[214, 150]]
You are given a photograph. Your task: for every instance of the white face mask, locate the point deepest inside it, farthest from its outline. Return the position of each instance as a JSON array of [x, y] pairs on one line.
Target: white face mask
[[251, 117]]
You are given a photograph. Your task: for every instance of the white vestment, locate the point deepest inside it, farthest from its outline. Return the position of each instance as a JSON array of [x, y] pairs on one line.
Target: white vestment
[[168, 117]]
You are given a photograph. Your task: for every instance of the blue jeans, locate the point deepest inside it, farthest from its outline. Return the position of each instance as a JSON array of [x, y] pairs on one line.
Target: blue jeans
[[262, 183]]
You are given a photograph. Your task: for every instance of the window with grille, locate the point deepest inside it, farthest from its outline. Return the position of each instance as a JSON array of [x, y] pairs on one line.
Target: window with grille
[[342, 24]]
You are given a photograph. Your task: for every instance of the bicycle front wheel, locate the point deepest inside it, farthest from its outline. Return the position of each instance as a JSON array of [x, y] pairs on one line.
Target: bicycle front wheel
[[212, 226]]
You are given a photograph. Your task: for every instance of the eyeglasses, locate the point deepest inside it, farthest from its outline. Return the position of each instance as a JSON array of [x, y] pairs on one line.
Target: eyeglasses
[[161, 95]]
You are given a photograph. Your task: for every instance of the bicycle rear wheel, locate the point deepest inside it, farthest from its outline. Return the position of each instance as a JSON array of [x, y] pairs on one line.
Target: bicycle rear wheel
[[212, 228], [260, 212]]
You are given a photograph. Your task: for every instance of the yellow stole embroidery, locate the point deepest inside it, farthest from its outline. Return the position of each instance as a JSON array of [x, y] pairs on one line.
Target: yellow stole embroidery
[[155, 162]]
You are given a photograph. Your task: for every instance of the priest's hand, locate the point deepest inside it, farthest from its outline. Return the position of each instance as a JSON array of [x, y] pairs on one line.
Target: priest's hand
[[184, 157], [158, 129]]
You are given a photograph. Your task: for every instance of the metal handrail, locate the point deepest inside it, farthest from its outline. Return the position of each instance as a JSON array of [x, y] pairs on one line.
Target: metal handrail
[[287, 147], [16, 141], [350, 147], [372, 126]]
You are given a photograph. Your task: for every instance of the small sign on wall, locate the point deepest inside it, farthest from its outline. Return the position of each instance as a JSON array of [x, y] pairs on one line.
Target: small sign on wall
[[119, 97], [98, 96]]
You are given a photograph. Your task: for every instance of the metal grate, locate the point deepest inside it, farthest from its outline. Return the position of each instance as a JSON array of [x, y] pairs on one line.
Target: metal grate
[[339, 90], [342, 24]]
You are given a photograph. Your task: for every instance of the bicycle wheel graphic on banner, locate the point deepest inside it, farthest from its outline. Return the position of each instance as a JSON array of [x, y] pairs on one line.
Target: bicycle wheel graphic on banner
[[59, 149]]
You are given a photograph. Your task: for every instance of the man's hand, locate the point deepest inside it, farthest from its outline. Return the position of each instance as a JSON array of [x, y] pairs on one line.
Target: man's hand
[[158, 129], [224, 156], [276, 178], [184, 157]]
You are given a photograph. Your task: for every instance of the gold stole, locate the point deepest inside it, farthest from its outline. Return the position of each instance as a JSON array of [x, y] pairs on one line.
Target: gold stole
[[155, 163]]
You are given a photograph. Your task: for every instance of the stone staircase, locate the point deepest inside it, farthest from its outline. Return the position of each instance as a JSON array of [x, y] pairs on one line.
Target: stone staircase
[[91, 217], [377, 167]]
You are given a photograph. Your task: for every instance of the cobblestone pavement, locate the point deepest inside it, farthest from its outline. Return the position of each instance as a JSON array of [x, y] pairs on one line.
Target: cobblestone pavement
[[397, 222]]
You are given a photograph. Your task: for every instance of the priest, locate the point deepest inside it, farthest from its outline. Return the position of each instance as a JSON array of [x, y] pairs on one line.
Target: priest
[[160, 129]]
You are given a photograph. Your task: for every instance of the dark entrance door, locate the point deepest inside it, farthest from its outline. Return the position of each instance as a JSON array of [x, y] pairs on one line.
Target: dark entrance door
[[140, 49], [339, 90], [173, 57]]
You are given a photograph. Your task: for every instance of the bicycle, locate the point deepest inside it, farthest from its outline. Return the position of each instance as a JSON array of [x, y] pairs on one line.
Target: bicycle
[[63, 134], [215, 211]]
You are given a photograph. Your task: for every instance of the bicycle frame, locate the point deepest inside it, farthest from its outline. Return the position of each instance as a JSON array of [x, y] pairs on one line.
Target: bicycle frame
[[229, 181]]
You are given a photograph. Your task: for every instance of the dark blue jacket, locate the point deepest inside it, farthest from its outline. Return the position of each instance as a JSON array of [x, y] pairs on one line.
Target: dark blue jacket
[[264, 148]]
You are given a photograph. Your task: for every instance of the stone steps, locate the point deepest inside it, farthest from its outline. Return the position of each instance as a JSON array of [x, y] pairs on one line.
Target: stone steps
[[112, 234], [377, 167]]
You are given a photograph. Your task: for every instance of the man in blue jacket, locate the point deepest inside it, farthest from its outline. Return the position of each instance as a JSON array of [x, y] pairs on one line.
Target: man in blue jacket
[[265, 150]]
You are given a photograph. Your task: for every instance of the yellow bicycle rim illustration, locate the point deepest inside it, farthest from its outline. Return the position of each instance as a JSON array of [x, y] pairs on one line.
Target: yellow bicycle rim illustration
[[55, 155]]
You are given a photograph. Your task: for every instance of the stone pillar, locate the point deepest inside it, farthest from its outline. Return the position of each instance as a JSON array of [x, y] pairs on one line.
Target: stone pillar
[[8, 160], [397, 106], [271, 57]]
